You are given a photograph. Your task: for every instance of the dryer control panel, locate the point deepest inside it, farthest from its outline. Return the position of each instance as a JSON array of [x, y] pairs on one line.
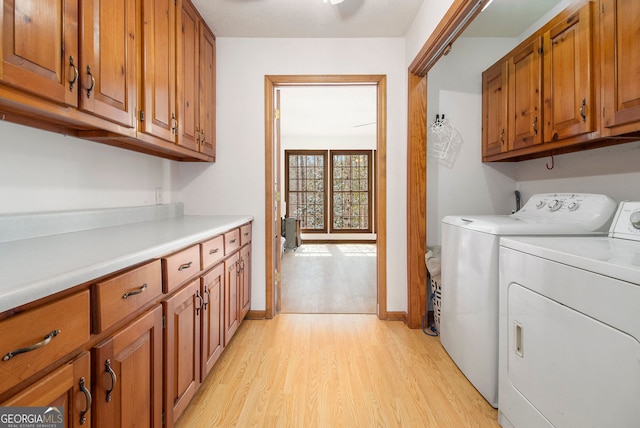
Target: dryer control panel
[[626, 224]]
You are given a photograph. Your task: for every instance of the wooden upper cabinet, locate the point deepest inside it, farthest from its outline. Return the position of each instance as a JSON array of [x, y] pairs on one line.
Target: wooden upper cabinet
[[40, 48], [196, 81], [207, 92], [569, 101], [525, 96], [188, 76], [107, 65], [158, 92], [494, 110], [619, 36]]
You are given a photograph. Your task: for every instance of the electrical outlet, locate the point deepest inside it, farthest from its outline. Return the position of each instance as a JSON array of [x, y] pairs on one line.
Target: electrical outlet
[[158, 195]]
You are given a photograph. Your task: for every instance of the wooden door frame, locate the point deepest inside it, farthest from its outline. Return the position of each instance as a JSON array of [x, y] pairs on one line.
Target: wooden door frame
[[459, 15], [380, 81]]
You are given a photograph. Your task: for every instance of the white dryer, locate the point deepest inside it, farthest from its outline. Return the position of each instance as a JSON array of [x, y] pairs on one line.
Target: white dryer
[[469, 313], [570, 328]]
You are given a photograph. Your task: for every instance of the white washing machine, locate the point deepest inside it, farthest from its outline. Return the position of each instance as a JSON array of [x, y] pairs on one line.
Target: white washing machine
[[570, 328], [469, 263]]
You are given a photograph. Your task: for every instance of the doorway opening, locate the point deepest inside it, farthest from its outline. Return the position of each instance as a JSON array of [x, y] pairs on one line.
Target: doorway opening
[[274, 193]]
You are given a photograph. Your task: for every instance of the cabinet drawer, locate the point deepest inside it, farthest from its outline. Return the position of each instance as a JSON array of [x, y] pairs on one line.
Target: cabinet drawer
[[212, 251], [180, 266], [245, 234], [231, 241], [118, 297], [52, 331]]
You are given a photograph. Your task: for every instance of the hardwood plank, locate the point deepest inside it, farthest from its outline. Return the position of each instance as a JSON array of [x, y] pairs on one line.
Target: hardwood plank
[[335, 370]]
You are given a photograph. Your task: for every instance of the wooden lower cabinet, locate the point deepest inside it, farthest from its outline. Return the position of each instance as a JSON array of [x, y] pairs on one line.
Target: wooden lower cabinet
[[245, 281], [212, 320], [67, 387], [182, 349], [127, 375], [231, 313]]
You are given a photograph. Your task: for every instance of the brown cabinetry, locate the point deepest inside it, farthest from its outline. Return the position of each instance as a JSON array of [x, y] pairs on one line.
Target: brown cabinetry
[[196, 81], [40, 48], [107, 79], [106, 71], [158, 70], [525, 96], [231, 291], [182, 313], [569, 96], [127, 375], [557, 90], [619, 35], [244, 281], [67, 387], [212, 326], [495, 129]]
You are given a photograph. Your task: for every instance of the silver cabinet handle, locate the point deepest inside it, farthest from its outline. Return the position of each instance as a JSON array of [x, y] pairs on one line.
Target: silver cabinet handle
[[185, 266], [215, 250], [33, 347], [134, 292]]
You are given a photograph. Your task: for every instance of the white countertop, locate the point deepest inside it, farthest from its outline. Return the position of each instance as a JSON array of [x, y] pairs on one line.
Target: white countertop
[[37, 267]]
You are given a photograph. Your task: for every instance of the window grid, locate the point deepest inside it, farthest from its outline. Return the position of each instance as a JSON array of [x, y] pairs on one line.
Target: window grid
[[351, 191], [305, 195]]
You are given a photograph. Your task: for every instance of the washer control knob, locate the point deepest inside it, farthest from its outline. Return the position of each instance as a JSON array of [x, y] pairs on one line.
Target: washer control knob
[[555, 205], [573, 206], [540, 204], [635, 219]]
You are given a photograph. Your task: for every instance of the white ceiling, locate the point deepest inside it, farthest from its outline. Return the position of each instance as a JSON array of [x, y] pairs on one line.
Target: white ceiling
[[308, 18]]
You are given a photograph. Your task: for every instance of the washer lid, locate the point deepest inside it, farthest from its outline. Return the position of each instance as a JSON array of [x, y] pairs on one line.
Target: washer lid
[[512, 225], [612, 257]]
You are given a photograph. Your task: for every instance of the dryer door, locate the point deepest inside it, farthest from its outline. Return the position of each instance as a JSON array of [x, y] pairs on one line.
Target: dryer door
[[575, 370]]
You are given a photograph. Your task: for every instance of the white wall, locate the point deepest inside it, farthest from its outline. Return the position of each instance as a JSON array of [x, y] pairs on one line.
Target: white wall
[[242, 64], [465, 185], [44, 171]]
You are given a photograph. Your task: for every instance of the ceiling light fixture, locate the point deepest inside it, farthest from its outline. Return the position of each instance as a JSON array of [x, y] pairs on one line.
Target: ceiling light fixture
[[333, 2]]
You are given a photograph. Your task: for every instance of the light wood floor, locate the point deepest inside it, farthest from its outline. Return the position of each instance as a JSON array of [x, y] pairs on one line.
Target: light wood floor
[[310, 370], [329, 278]]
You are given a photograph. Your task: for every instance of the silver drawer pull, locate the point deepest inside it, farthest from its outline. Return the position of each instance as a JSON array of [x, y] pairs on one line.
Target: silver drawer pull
[[215, 250], [134, 292], [185, 266], [114, 379], [33, 347], [233, 241], [246, 234]]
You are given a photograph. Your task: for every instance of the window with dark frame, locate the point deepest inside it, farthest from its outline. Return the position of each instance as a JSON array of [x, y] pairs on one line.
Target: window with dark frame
[[309, 188], [305, 194]]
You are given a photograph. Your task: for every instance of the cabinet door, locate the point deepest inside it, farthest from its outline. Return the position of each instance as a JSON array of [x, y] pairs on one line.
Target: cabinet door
[[127, 375], [40, 48], [231, 319], [188, 32], [107, 65], [207, 92], [212, 286], [494, 110], [525, 96], [245, 281], [158, 92], [619, 35], [67, 387], [569, 102], [182, 349]]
